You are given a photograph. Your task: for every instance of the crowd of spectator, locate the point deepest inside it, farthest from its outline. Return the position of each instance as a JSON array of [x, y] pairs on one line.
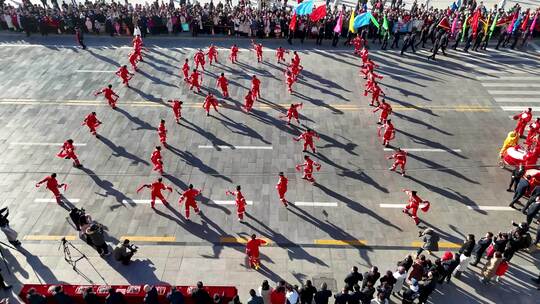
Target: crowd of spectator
[[241, 19]]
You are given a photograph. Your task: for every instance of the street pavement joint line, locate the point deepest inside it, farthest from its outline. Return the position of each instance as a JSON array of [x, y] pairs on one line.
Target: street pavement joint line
[[238, 240], [142, 238], [316, 204], [492, 208], [52, 200], [512, 85], [516, 99], [441, 244], [341, 242], [236, 147], [219, 202], [42, 144], [425, 150], [392, 206], [49, 237]]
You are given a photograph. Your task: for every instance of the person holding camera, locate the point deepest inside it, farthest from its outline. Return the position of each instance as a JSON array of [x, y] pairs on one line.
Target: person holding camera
[[96, 237], [124, 251], [11, 234]]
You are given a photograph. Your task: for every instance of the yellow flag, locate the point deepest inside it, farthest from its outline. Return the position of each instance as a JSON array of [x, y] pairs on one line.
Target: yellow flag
[[351, 23]]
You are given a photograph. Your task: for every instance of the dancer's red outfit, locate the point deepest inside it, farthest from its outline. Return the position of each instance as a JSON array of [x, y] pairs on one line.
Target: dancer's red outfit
[[400, 159], [240, 203], [385, 109], [155, 192], [68, 152], [281, 188], [109, 95], [252, 251], [210, 101], [195, 80], [124, 74], [189, 195], [389, 132], [523, 119], [307, 137], [223, 84], [308, 166], [156, 160], [92, 123], [52, 185]]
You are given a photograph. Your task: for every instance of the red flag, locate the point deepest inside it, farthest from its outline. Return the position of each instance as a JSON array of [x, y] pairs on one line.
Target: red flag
[[474, 22], [292, 24], [525, 21], [318, 13], [504, 20], [445, 24]]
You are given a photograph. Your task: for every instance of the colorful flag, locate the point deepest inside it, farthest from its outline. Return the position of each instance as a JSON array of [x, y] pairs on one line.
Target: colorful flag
[[351, 23], [533, 24], [292, 24], [454, 24], [517, 23], [337, 28], [486, 24], [492, 28], [304, 8], [385, 23], [444, 23], [374, 21], [525, 22], [362, 20], [318, 13], [474, 22], [464, 28]]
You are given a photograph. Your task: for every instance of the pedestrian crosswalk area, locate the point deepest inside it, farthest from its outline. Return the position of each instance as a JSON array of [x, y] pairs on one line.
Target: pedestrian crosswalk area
[[513, 82]]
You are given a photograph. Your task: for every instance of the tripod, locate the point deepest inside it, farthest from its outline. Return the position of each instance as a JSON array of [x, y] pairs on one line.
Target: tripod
[[67, 253], [66, 245]]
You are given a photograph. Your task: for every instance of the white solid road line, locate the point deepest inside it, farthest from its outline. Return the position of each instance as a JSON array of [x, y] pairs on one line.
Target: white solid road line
[[95, 71], [425, 150], [396, 206], [41, 144], [491, 208], [506, 78], [52, 200], [505, 92], [316, 204], [513, 85], [516, 99], [238, 147], [217, 202], [518, 108]]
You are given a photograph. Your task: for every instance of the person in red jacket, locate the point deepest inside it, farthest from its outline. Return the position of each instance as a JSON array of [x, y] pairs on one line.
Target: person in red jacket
[[258, 47], [386, 110], [389, 132], [92, 123], [223, 84], [68, 152], [199, 59], [280, 54], [307, 137], [177, 109], [289, 79], [400, 159], [413, 205], [133, 56], [210, 101], [308, 166], [155, 191], [189, 195], [156, 160], [252, 251], [52, 185], [292, 112], [248, 101], [125, 75], [212, 54], [195, 80], [523, 119], [109, 95], [234, 54], [255, 87], [240, 202], [162, 133], [185, 70], [281, 187], [534, 130]]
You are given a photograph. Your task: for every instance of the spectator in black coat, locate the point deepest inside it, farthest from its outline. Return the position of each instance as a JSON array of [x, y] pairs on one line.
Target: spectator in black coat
[[175, 296], [481, 247], [371, 276], [322, 296], [354, 277], [342, 297], [200, 295], [90, 297], [307, 292], [114, 297]]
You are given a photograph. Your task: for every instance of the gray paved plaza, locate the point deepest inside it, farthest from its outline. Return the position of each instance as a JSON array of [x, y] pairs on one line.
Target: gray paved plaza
[[452, 113]]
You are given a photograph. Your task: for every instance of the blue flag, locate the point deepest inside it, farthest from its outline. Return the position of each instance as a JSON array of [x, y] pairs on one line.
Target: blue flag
[[362, 20], [304, 8], [454, 7], [517, 23]]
